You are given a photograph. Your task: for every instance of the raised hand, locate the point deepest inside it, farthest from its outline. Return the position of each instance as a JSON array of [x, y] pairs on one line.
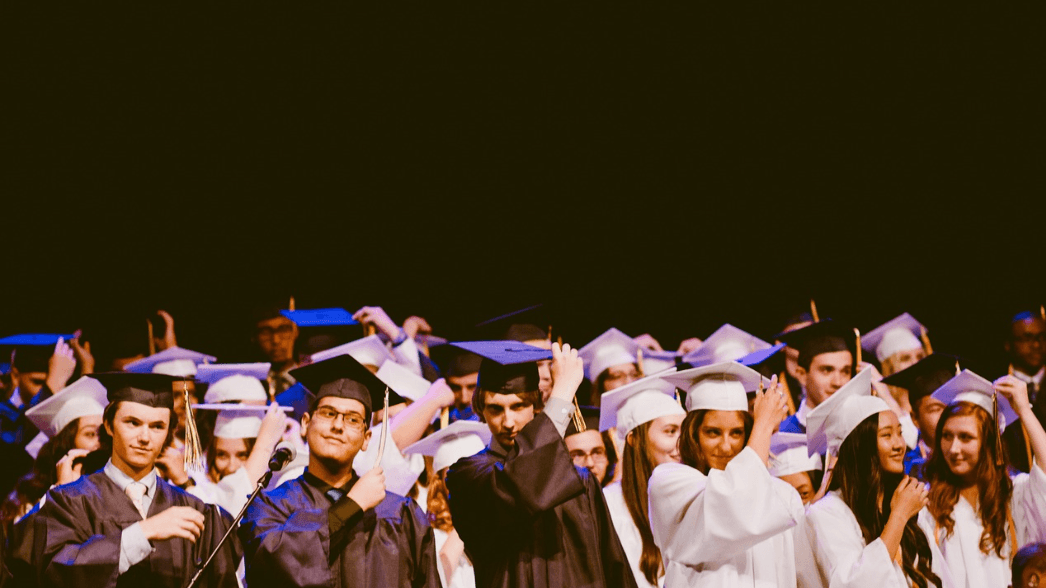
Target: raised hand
[[83, 354], [770, 407], [415, 324], [1015, 391], [369, 490], [375, 315], [178, 521], [688, 345], [61, 366], [568, 370], [172, 464], [909, 498], [68, 471], [647, 341]]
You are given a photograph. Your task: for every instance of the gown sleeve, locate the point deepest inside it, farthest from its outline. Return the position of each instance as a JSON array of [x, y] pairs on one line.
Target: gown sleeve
[[286, 548], [1028, 506], [698, 519], [401, 471], [839, 550], [69, 554], [223, 570]]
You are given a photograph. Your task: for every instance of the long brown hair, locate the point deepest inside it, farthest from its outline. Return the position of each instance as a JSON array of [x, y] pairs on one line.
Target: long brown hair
[[690, 446], [635, 474], [993, 485], [439, 503], [867, 489]]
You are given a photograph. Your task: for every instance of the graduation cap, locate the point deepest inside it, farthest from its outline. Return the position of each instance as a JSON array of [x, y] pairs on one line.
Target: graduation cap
[[173, 361], [526, 325], [765, 361], [297, 398], [234, 382], [826, 336], [408, 384], [320, 317], [155, 390], [969, 387], [727, 343], [832, 421], [235, 421], [609, 349], [369, 350], [925, 376], [638, 402], [342, 376], [83, 397], [899, 334], [32, 351], [789, 455], [720, 386], [507, 367], [322, 328], [590, 415], [458, 440], [454, 362]]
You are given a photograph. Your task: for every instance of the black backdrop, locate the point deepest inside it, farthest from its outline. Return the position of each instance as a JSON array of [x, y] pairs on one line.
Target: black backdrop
[[661, 170]]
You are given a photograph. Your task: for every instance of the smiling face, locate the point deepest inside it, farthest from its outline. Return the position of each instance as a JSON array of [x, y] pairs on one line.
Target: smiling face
[[827, 373], [891, 443], [336, 430], [961, 445], [663, 439], [229, 455], [927, 412], [721, 437], [506, 415], [139, 434]]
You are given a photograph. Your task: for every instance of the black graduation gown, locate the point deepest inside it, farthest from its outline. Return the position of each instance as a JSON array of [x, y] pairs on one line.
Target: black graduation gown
[[77, 537], [533, 519], [287, 540]]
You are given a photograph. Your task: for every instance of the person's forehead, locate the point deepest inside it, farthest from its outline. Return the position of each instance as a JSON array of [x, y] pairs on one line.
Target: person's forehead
[[723, 418], [585, 440], [887, 418], [230, 445], [832, 358], [965, 421], [503, 399], [622, 367], [465, 379], [276, 321], [342, 404], [142, 411], [1032, 323]]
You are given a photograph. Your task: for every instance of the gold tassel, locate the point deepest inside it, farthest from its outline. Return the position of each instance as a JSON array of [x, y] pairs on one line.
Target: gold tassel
[[384, 430], [999, 461], [1042, 311], [813, 311], [290, 304], [926, 340], [579, 419], [193, 459], [639, 362], [444, 418], [958, 370], [857, 334], [152, 342], [782, 384], [550, 335]]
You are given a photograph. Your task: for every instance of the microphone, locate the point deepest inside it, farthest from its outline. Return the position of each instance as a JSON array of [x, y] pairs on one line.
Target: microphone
[[284, 454]]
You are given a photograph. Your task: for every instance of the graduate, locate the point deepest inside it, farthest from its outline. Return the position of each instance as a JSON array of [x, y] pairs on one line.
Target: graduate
[[727, 343], [897, 345], [918, 383], [977, 514], [863, 532], [330, 526], [124, 525], [824, 364], [461, 371], [719, 517], [1029, 566], [458, 440], [790, 461], [527, 515], [591, 448], [610, 362], [647, 413]]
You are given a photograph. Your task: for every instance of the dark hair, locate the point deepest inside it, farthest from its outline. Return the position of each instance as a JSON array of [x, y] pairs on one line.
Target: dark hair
[[110, 414], [635, 475], [54, 450], [867, 489], [690, 447], [1032, 555], [993, 485], [479, 400], [212, 453]]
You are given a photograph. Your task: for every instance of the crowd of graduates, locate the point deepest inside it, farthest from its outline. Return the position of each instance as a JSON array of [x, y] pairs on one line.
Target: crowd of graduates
[[361, 451]]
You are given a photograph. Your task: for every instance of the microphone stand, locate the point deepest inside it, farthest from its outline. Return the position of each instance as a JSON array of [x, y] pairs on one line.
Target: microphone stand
[[262, 483]]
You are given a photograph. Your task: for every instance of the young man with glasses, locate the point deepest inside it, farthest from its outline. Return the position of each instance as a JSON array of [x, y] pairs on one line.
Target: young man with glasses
[[331, 527], [591, 449], [1025, 347]]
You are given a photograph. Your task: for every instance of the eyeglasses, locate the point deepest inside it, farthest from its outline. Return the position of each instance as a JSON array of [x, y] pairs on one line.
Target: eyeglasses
[[282, 331], [597, 454], [352, 420]]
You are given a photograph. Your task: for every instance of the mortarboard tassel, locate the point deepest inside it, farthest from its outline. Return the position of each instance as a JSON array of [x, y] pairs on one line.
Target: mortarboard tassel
[[958, 370], [999, 461], [579, 419], [926, 340], [857, 335], [290, 304], [193, 458], [813, 311], [1042, 311], [152, 343], [444, 418], [384, 430], [782, 384]]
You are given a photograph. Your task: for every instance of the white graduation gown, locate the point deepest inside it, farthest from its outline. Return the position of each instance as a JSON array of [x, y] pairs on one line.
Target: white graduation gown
[[628, 533], [729, 528], [969, 566], [831, 551], [464, 575], [230, 492], [401, 471]]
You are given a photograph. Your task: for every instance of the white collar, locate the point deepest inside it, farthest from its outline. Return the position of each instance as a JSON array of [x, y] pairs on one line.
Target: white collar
[[804, 409], [122, 480], [1036, 379]]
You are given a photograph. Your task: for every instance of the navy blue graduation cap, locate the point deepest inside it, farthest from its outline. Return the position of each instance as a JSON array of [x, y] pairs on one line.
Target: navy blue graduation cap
[[155, 390], [343, 377], [826, 336], [765, 361], [32, 351], [925, 376], [507, 367], [320, 317], [322, 328], [296, 397]]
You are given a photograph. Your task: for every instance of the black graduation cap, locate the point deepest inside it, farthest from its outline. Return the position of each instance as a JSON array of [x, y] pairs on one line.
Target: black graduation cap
[[526, 324], [155, 390], [454, 361], [826, 336], [925, 376], [591, 415], [507, 367], [343, 377], [765, 361]]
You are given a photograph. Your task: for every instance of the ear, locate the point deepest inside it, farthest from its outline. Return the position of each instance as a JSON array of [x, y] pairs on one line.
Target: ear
[[305, 418], [800, 374], [366, 441], [630, 439], [108, 428]]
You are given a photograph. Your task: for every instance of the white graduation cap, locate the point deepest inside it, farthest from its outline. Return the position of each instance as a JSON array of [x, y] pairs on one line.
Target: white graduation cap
[[234, 382], [828, 425], [656, 362], [236, 421], [173, 361], [83, 397], [895, 336], [446, 446], [788, 455], [368, 351], [609, 349], [720, 386], [405, 382], [969, 387], [727, 343], [636, 403]]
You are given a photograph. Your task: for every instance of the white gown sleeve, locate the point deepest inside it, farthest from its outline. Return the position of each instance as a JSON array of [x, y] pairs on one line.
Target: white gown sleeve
[[406, 355], [1028, 506], [699, 519], [401, 471], [839, 551]]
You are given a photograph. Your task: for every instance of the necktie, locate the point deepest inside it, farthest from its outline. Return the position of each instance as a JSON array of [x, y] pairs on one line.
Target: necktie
[[135, 491]]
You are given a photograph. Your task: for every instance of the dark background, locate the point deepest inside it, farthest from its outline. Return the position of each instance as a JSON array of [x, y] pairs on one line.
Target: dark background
[[660, 169]]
